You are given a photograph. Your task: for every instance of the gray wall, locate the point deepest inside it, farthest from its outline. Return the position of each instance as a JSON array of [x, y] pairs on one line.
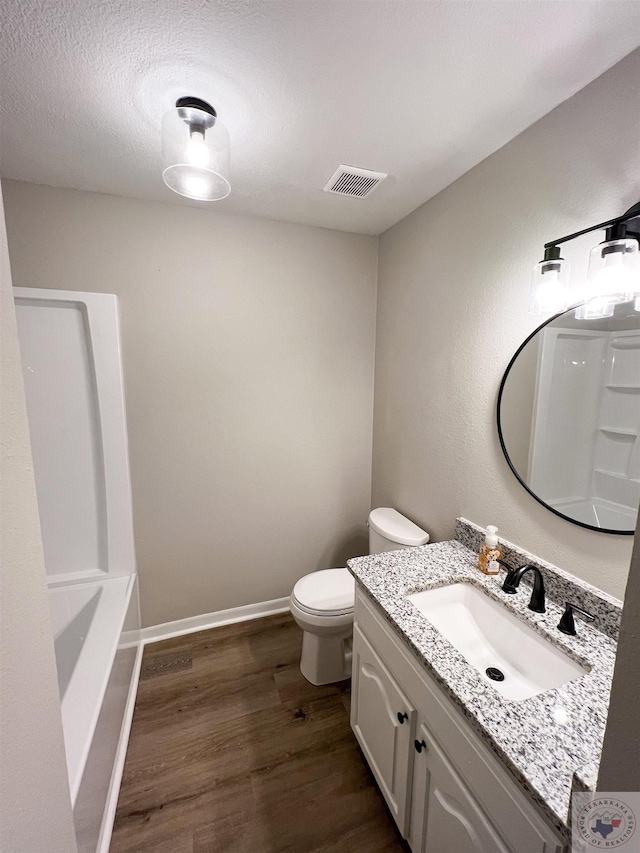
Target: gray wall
[[620, 762], [516, 408], [453, 292], [35, 806], [248, 349]]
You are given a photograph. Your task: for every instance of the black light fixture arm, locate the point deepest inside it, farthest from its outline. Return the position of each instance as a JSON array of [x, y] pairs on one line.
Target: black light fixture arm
[[632, 213]]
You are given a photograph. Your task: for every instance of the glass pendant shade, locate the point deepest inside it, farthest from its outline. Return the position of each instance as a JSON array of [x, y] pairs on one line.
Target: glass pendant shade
[[613, 277], [195, 153], [549, 284], [614, 269]]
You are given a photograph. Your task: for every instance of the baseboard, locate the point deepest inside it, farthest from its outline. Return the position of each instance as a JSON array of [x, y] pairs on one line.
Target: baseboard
[[121, 754], [167, 630]]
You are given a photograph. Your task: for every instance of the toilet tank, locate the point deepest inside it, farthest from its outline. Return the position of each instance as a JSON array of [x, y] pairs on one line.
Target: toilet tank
[[390, 531]]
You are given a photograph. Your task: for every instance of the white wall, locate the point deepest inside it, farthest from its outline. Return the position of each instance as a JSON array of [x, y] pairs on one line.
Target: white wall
[[248, 351], [35, 806], [453, 287]]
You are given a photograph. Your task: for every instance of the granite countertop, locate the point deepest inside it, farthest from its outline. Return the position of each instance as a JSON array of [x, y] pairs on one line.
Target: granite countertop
[[543, 741]]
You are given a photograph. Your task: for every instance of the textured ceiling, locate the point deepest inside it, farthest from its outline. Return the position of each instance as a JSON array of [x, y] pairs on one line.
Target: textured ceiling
[[421, 90]]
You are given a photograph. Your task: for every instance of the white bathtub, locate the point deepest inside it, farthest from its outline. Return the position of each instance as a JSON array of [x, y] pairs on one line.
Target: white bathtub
[[97, 643]]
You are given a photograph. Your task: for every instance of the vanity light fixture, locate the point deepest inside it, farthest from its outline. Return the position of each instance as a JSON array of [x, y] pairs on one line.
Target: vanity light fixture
[[195, 151], [614, 271]]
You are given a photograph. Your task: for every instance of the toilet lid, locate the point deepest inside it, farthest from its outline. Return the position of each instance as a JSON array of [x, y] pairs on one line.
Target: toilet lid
[[326, 591]]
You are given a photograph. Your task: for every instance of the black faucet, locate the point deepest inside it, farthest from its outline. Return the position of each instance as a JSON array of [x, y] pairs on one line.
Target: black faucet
[[512, 582], [567, 624], [510, 573]]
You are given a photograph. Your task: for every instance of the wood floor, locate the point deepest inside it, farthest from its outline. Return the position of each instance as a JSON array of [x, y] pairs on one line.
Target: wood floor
[[232, 751]]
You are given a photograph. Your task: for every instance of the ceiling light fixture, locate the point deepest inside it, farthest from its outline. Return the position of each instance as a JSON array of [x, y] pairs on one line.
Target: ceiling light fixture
[[195, 151], [614, 271]]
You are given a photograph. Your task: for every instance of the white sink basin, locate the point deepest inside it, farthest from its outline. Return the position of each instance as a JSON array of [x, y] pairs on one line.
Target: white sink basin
[[488, 635]]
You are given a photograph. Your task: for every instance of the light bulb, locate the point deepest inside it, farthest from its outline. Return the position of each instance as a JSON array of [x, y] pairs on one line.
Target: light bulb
[[614, 276], [551, 295], [197, 153]]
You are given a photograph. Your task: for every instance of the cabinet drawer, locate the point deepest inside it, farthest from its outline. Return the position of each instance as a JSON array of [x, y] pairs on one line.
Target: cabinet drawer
[[505, 804]]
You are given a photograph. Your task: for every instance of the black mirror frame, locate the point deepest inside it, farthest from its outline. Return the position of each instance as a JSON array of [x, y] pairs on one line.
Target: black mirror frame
[[504, 447]]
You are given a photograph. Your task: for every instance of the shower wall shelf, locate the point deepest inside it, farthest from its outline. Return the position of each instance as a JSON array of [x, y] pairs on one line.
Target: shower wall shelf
[[623, 387]]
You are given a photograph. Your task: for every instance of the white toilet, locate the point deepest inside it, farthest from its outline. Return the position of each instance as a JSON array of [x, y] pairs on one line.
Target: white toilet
[[322, 602]]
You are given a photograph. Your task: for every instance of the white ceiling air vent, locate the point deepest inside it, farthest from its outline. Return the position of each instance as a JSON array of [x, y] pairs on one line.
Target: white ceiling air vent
[[347, 180]]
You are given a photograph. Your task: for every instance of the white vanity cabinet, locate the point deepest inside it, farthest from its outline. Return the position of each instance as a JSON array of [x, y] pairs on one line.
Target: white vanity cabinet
[[444, 787]]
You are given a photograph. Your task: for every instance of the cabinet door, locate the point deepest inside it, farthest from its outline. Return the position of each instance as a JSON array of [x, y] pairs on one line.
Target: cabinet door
[[444, 814], [383, 722]]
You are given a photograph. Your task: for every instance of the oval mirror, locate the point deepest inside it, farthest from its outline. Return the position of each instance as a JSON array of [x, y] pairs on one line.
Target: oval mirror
[[569, 418]]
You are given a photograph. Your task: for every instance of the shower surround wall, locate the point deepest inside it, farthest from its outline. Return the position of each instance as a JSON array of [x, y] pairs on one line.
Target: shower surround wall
[[453, 291], [592, 470], [71, 366], [248, 351], [35, 808]]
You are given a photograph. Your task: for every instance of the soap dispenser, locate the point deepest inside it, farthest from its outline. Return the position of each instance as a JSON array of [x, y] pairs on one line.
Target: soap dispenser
[[489, 554]]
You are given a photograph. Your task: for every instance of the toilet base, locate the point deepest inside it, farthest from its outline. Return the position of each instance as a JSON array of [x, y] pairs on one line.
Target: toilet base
[[326, 659]]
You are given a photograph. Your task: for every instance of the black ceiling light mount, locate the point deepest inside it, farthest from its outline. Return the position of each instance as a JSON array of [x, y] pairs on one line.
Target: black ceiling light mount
[[196, 113], [614, 270]]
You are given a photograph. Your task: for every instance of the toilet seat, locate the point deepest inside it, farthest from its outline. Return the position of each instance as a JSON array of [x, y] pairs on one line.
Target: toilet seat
[[328, 592]]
